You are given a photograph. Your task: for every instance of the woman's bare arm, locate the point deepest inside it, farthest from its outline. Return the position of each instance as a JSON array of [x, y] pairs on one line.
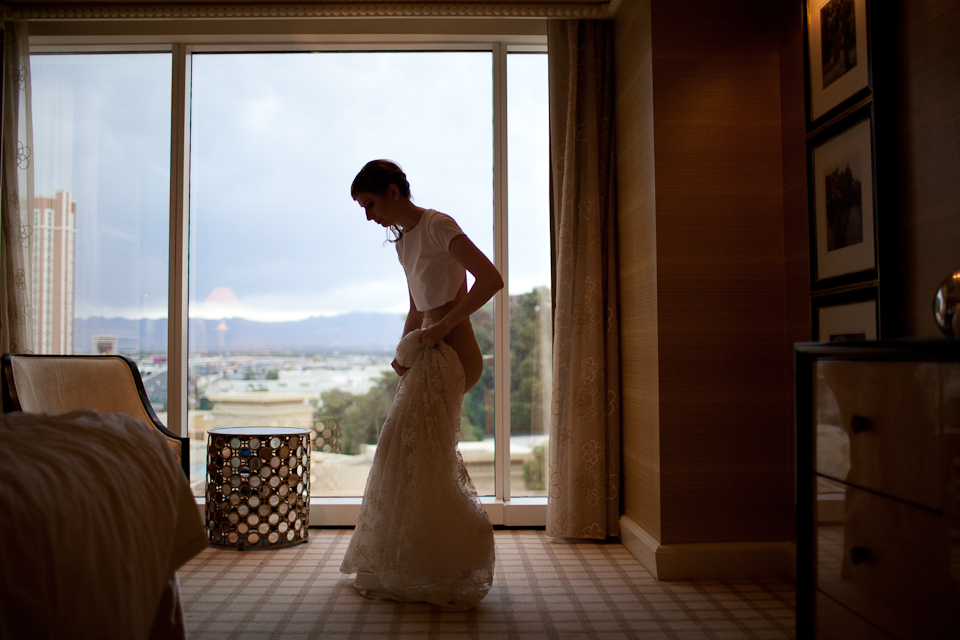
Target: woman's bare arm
[[487, 283]]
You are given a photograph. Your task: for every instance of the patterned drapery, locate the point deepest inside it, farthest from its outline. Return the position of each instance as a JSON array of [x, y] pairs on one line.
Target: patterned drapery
[[584, 494], [16, 193]]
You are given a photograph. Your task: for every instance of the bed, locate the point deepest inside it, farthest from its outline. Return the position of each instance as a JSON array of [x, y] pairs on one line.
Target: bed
[[96, 516]]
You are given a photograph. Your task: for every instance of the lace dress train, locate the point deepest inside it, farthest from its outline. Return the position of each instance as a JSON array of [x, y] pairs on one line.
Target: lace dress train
[[422, 534]]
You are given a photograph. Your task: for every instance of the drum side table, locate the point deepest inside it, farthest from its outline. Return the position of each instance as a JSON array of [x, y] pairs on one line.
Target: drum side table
[[258, 487]]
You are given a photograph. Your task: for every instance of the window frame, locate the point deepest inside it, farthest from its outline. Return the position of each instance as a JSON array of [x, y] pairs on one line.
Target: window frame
[[329, 511]]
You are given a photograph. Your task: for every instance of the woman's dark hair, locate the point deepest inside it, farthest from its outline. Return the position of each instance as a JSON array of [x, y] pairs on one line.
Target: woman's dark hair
[[376, 177]]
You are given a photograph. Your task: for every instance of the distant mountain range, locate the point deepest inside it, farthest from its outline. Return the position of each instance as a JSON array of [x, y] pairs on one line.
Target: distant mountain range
[[347, 333]]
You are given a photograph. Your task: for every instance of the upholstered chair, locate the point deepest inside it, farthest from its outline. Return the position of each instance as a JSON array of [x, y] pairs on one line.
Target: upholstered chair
[[60, 384]]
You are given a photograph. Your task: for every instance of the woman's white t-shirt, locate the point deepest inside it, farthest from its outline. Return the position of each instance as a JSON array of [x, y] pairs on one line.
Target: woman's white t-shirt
[[433, 275]]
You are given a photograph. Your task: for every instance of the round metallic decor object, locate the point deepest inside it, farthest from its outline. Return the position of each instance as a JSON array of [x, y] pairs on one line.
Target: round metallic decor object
[[249, 510], [946, 305]]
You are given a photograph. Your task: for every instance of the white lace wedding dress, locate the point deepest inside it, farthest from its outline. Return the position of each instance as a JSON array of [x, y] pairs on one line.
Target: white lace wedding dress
[[422, 534]]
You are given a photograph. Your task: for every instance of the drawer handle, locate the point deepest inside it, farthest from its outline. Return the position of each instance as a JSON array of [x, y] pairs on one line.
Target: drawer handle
[[859, 555], [859, 424]]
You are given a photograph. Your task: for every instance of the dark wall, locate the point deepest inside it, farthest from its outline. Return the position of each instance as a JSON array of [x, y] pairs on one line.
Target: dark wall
[[725, 430], [916, 97], [637, 228], [796, 230], [916, 71], [716, 273]]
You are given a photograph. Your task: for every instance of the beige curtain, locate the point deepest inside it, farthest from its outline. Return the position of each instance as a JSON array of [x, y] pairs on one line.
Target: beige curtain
[[16, 194], [585, 439]]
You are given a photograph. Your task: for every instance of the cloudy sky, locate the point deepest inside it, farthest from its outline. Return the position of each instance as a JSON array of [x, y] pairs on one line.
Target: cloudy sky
[[276, 140]]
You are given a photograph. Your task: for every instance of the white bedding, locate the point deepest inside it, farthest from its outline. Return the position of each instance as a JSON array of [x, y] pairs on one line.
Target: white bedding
[[96, 516]]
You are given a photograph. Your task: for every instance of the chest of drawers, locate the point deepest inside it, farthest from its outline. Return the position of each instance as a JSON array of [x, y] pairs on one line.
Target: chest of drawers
[[878, 489]]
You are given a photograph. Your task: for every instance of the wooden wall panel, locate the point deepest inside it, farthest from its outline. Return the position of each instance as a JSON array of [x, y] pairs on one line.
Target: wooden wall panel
[[638, 267], [724, 439], [796, 230]]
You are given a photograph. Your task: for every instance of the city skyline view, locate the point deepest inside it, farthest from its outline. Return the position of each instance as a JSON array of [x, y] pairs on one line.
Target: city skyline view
[[274, 233]]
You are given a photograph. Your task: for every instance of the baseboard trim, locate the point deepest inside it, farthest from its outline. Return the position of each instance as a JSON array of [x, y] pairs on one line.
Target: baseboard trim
[[640, 544], [708, 561]]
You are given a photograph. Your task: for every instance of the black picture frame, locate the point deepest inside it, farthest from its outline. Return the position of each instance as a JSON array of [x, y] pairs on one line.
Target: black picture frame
[[846, 316], [841, 180], [837, 60]]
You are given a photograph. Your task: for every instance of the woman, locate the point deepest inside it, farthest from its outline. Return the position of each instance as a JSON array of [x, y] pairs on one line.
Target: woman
[[422, 534]]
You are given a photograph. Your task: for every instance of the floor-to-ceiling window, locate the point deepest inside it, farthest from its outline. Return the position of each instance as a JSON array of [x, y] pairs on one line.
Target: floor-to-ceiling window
[[296, 302], [531, 320], [97, 239]]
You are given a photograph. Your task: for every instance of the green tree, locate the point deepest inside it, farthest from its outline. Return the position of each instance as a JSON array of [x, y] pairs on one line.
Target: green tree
[[529, 338], [526, 390], [468, 432], [369, 411], [524, 383], [533, 467], [476, 401], [334, 403], [361, 416]]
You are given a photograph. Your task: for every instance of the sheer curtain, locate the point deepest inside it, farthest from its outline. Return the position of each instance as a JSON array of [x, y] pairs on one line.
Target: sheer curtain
[[585, 441], [16, 194]]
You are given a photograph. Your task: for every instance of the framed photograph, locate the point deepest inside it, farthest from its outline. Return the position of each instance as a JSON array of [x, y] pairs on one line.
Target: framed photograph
[[843, 216], [838, 65], [847, 317]]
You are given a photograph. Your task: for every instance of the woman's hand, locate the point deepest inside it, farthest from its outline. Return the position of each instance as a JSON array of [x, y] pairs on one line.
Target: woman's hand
[[399, 368], [430, 336]]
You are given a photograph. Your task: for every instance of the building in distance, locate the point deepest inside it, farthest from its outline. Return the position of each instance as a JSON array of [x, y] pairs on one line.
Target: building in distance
[[53, 268]]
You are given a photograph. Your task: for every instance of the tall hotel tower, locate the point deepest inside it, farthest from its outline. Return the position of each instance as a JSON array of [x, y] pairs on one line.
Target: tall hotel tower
[[54, 256]]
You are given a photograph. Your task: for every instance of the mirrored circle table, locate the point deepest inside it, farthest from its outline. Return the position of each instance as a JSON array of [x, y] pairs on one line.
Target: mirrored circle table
[[258, 487]]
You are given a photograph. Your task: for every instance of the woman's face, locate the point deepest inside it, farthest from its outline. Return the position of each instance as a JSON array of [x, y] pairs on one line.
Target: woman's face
[[378, 207]]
